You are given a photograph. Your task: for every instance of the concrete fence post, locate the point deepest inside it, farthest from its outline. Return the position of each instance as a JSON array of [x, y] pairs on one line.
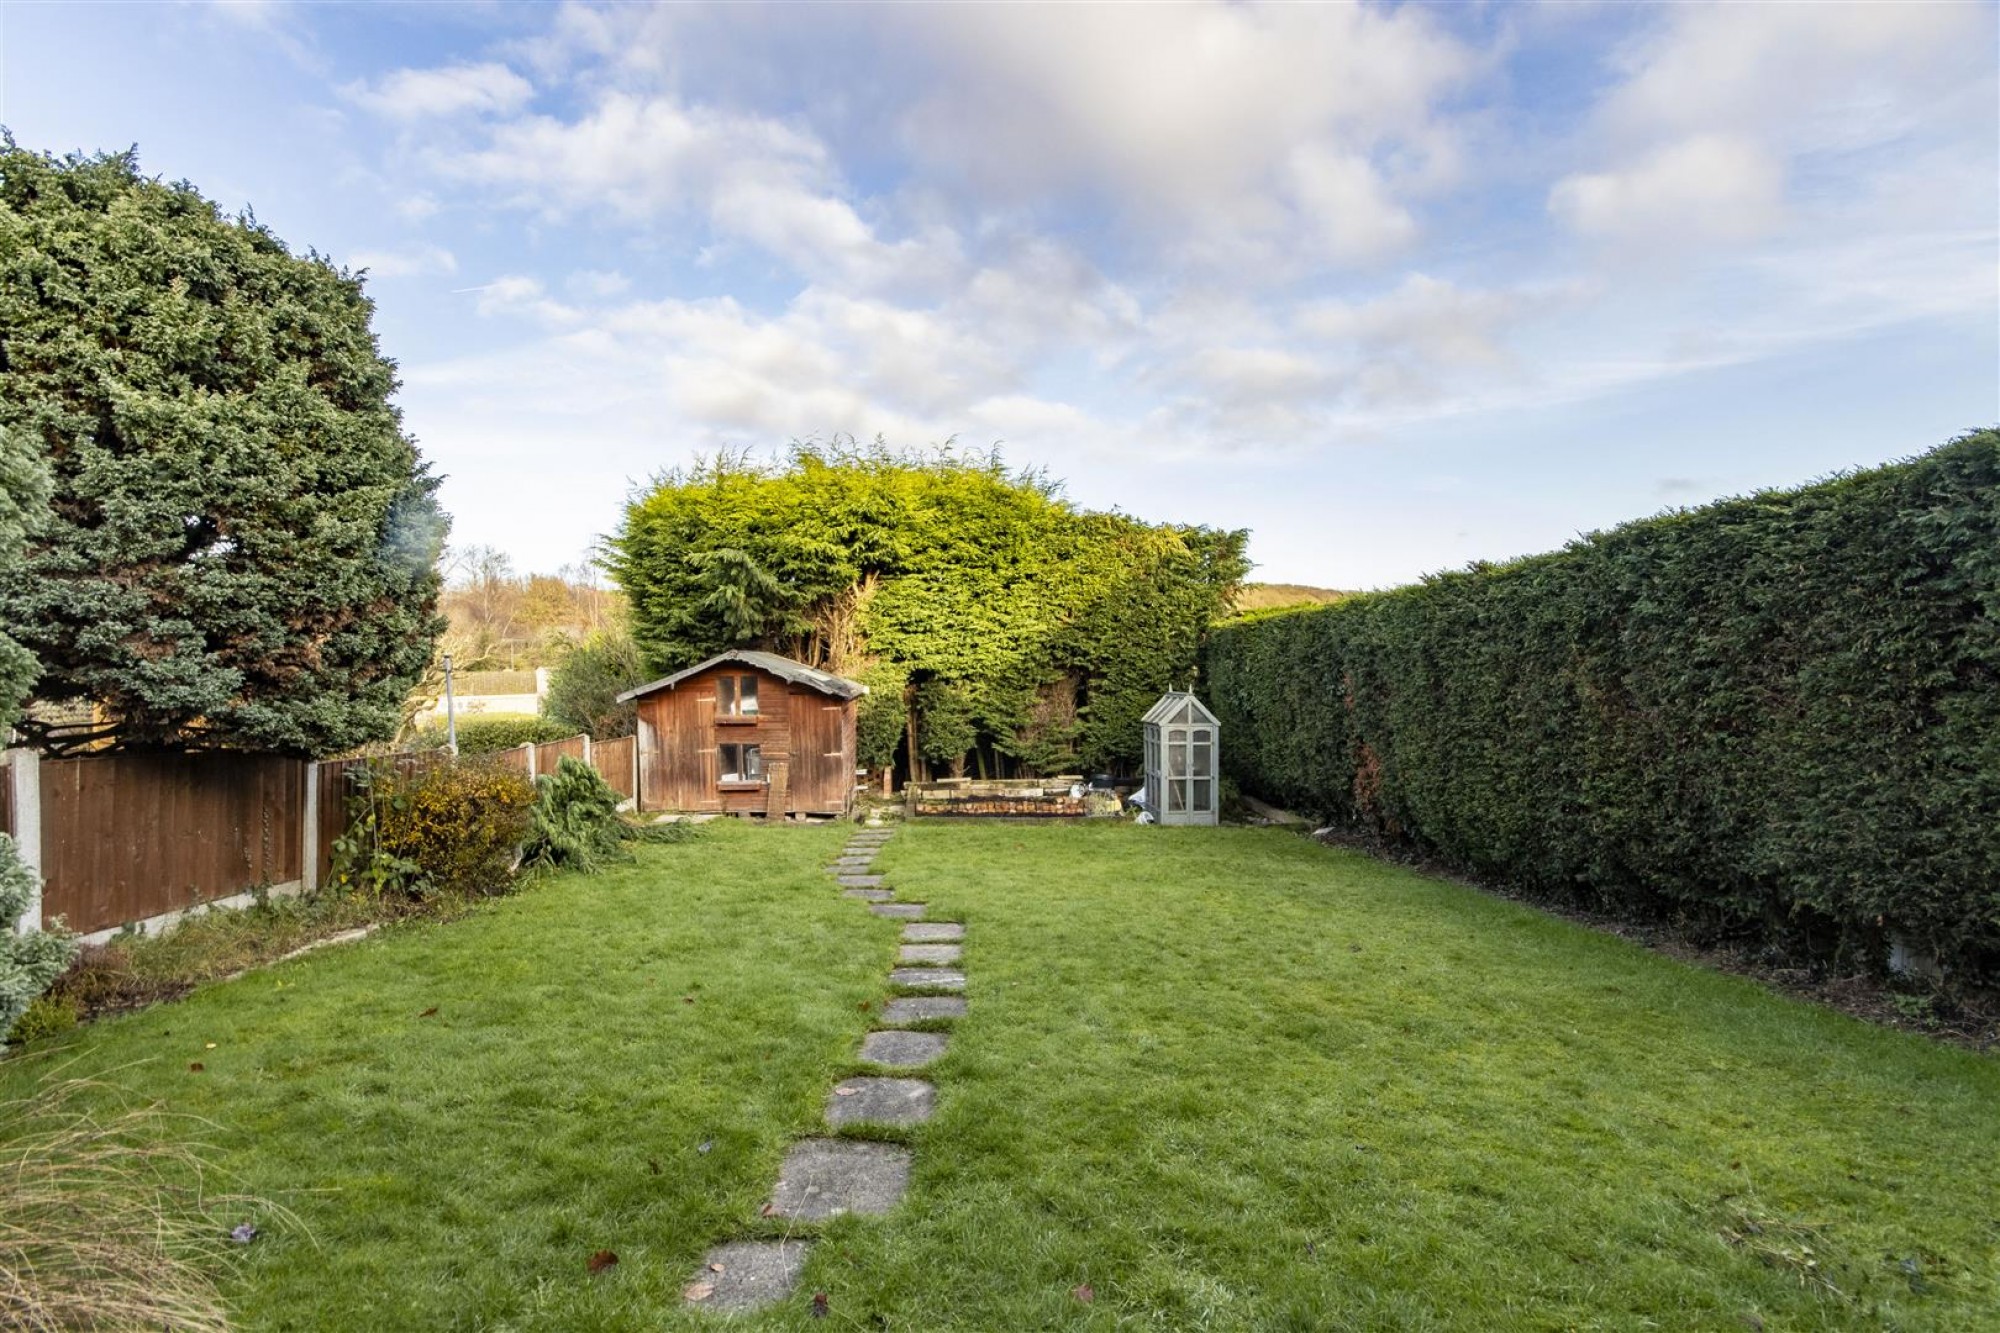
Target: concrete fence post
[[309, 832], [532, 748], [586, 750], [24, 772]]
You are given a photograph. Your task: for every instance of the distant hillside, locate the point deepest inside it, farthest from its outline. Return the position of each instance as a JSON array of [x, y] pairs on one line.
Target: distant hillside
[[1267, 596]]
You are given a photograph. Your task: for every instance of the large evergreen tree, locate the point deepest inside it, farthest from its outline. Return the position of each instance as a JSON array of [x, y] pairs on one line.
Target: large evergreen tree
[[998, 627], [24, 494], [242, 548]]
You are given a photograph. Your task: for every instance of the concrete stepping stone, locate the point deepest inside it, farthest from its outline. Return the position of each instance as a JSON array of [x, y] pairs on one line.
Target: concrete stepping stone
[[900, 911], [881, 1101], [868, 895], [903, 1050], [747, 1274], [921, 1008], [824, 1178], [854, 863], [933, 932], [859, 881], [928, 978], [928, 953]]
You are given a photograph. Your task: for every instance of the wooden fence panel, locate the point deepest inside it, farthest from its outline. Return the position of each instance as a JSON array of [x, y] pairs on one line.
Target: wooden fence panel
[[129, 836], [613, 760], [550, 753], [516, 758]]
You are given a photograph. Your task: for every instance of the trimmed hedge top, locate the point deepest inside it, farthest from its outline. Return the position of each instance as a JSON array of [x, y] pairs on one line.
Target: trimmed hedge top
[[1779, 713]]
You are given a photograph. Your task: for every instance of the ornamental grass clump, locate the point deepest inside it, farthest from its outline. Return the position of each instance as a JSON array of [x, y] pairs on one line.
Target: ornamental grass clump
[[104, 1221]]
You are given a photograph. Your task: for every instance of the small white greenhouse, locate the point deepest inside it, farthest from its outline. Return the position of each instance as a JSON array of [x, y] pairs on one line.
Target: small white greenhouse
[[1181, 768]]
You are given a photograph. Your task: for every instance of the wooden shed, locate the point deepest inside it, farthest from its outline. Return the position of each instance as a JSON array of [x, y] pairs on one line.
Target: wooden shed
[[747, 733]]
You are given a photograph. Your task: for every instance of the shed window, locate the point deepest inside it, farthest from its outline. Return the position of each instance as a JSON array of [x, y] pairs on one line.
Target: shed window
[[736, 696], [742, 763]]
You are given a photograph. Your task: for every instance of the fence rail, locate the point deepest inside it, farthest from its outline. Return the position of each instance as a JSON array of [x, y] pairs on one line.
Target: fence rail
[[130, 838]]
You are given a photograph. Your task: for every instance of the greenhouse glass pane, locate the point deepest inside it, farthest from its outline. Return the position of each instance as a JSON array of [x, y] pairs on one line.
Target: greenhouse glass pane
[[1202, 761], [1176, 796], [1202, 795]]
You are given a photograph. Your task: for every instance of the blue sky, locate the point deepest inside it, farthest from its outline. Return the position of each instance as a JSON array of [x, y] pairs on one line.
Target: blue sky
[[1394, 287]]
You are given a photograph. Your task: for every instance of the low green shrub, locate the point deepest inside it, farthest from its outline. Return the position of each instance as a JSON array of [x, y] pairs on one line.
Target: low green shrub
[[484, 733], [443, 828], [1776, 716], [28, 963]]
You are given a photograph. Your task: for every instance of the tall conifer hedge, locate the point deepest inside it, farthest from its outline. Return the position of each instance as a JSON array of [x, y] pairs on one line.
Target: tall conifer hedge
[[1778, 715]]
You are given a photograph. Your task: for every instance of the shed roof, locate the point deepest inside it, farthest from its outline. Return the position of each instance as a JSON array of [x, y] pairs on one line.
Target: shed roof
[[798, 673], [1170, 710]]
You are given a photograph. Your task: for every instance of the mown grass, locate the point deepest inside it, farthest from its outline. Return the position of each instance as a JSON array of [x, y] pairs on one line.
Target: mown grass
[[1224, 1079], [614, 1063], [1230, 1079]]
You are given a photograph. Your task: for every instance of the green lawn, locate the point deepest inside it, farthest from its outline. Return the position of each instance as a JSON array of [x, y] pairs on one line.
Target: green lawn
[[1224, 1078]]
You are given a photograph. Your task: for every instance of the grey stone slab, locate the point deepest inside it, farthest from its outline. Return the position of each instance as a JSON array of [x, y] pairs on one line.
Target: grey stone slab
[[868, 895], [933, 932], [928, 978], [904, 1050], [824, 1178], [881, 1101], [747, 1274], [900, 911], [853, 864], [929, 953], [919, 1008], [859, 881]]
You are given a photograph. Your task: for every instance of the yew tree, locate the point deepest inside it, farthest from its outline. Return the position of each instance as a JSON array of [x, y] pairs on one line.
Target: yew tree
[[241, 544]]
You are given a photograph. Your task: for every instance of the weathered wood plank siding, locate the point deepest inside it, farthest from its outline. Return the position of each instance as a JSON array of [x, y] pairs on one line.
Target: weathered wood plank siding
[[613, 761], [550, 753], [130, 836], [680, 735]]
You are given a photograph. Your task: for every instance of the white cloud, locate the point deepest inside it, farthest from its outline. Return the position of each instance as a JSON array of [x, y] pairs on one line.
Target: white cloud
[[1710, 187], [414, 262], [592, 283], [454, 90]]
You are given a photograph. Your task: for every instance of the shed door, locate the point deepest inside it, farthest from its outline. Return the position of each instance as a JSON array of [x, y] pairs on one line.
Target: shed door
[[1190, 774]]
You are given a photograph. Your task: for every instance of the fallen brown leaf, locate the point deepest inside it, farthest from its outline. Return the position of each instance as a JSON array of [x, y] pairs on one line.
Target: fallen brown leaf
[[715, 1268], [845, 1092], [600, 1261], [195, 1066], [429, 1013], [819, 1307], [698, 1291], [1083, 1293]]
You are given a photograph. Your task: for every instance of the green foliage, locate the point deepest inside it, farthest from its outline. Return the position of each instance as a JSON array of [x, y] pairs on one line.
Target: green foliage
[[1779, 714], [584, 687], [24, 497], [1040, 630], [243, 542], [485, 733], [442, 828], [28, 963], [575, 822]]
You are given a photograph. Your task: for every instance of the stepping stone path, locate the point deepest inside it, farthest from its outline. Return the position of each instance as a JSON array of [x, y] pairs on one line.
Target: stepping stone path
[[746, 1274], [826, 1178], [922, 1008], [927, 978], [902, 1050], [881, 1101]]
